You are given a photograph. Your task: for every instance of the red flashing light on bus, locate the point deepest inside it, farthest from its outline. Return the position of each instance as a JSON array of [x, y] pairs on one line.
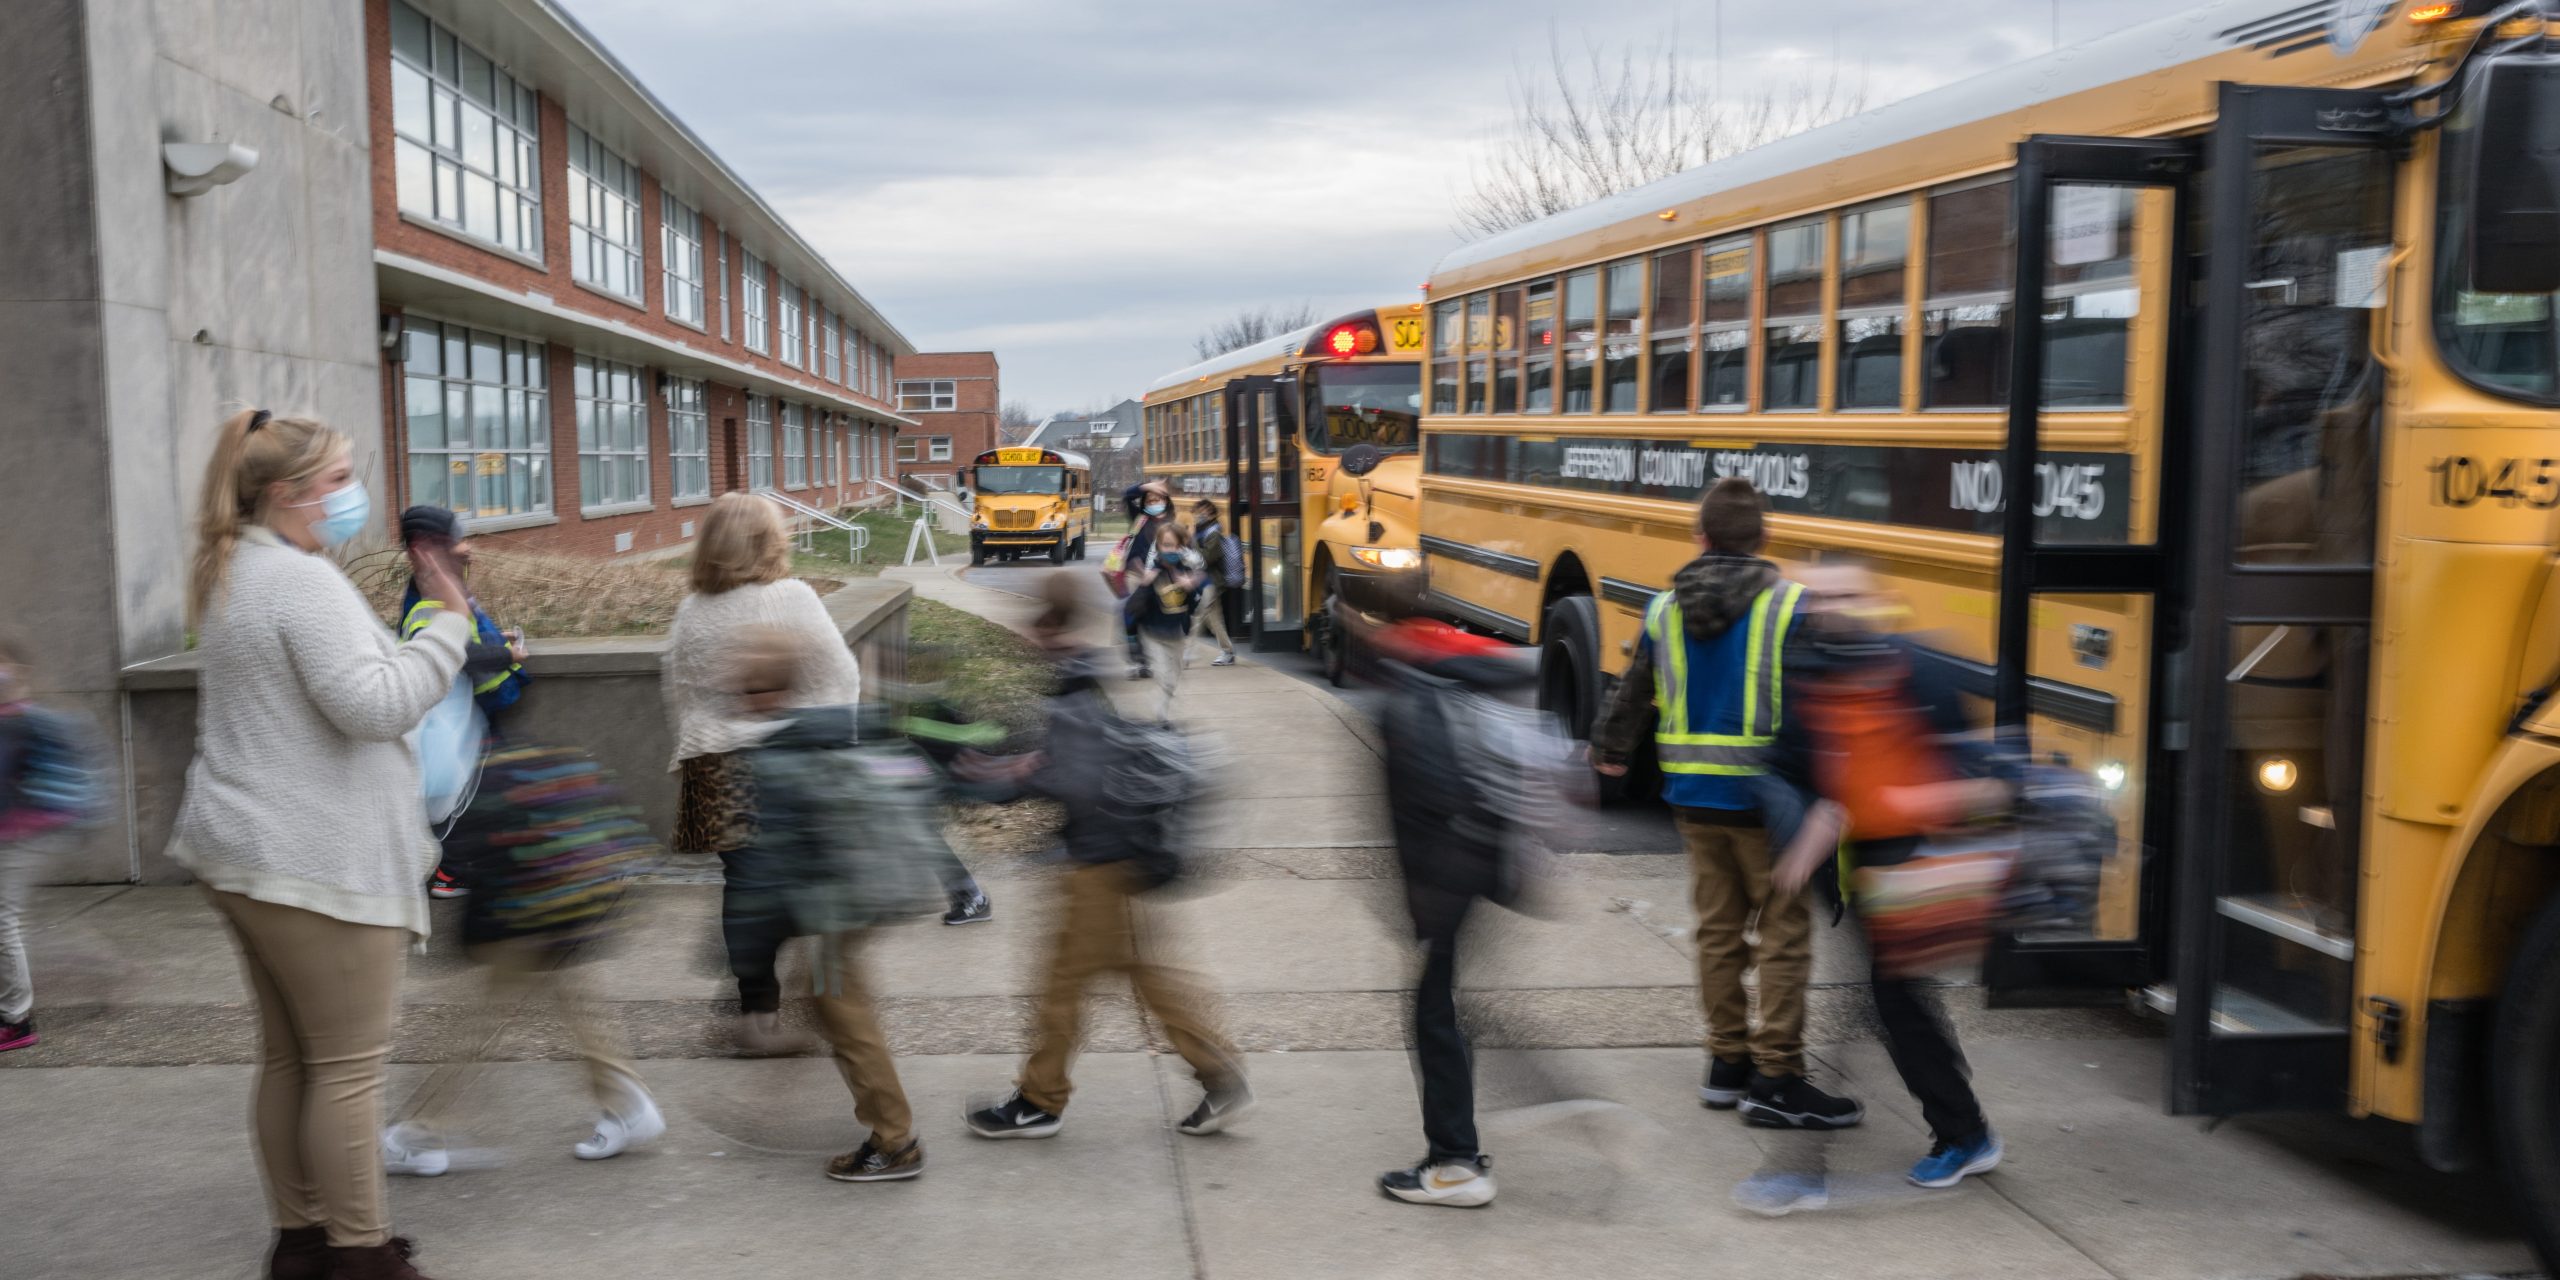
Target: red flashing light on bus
[[1344, 341]]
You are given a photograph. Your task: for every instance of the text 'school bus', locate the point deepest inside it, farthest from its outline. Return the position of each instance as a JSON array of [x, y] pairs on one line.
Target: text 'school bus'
[[1023, 500], [1307, 441], [2199, 390]]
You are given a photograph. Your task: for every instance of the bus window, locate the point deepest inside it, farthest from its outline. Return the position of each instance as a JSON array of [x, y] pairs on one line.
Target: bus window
[[2507, 342], [1581, 338], [1724, 374], [1965, 322], [1625, 300], [1479, 349], [1372, 404], [1875, 242], [1506, 351], [1444, 358], [1674, 320], [1792, 332], [1538, 389], [995, 481], [2090, 297]]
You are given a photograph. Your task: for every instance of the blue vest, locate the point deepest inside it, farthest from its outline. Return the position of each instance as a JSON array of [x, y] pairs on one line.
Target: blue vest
[[1716, 701]]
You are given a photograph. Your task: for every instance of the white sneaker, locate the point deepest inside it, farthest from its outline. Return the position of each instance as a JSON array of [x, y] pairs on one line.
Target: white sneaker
[[1460, 1186], [410, 1151], [638, 1125]]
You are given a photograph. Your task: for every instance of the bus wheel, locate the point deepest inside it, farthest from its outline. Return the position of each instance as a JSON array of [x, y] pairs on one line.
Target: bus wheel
[[1569, 676], [2524, 1082], [977, 555], [1058, 551], [1078, 552], [1333, 646]]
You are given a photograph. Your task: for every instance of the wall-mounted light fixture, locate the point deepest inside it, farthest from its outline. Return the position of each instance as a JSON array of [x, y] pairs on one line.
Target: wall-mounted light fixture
[[199, 167], [395, 329]]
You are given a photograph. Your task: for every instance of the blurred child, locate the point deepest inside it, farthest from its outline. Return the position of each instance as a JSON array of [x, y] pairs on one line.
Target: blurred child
[[1222, 565], [48, 789], [943, 732], [546, 845], [494, 660], [1867, 756], [1167, 589], [1121, 785], [847, 836]]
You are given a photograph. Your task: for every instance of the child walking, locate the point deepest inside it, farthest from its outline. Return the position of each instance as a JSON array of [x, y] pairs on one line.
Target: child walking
[[1168, 591], [47, 789]]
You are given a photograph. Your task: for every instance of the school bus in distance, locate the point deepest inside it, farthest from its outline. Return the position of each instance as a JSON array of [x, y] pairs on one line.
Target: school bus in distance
[[1307, 441], [1023, 500], [2199, 390]]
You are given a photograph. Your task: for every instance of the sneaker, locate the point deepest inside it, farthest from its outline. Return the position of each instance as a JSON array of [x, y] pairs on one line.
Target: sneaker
[[1775, 1195], [868, 1163], [1220, 1108], [1013, 1118], [1792, 1102], [410, 1151], [19, 1034], [760, 1035], [1137, 672], [443, 885], [969, 906], [1948, 1162], [1227, 659], [1458, 1184], [638, 1124], [1726, 1084]]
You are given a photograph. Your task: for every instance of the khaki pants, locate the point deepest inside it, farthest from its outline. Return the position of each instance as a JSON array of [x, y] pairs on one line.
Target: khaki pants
[[862, 1052], [517, 971], [1729, 886], [327, 992], [1101, 930]]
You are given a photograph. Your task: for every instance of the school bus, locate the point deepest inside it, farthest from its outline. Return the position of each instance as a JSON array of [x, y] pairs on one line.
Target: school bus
[[1307, 441], [1023, 500], [2199, 390]]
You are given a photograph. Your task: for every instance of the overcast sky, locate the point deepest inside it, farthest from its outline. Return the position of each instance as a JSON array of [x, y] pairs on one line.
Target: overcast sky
[[1081, 186]]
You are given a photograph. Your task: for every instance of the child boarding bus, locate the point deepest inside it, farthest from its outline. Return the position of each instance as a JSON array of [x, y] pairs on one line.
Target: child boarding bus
[[2198, 388], [1024, 500], [1322, 424]]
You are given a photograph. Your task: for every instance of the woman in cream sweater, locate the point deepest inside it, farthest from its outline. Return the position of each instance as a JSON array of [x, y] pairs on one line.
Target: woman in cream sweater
[[742, 584], [303, 817]]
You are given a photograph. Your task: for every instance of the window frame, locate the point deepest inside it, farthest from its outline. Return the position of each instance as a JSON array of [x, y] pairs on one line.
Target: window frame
[[1897, 312], [432, 341], [938, 399], [760, 474], [597, 173], [794, 446], [688, 440], [420, 160], [793, 311], [677, 250], [937, 448], [1815, 319], [753, 289], [600, 454]]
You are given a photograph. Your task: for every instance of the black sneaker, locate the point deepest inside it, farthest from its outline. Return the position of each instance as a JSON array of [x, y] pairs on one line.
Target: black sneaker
[[1726, 1084], [1792, 1102], [868, 1163], [969, 906], [1222, 1107], [1013, 1118], [1459, 1184], [443, 885]]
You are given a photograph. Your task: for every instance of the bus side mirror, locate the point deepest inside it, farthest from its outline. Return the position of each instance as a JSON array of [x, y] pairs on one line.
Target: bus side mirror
[[2515, 177]]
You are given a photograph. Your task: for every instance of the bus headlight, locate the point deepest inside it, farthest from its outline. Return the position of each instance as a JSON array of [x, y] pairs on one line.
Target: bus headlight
[[2111, 776], [2276, 775], [1049, 524], [1388, 557]]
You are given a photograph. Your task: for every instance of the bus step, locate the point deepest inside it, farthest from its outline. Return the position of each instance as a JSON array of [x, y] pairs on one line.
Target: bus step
[[2291, 919]]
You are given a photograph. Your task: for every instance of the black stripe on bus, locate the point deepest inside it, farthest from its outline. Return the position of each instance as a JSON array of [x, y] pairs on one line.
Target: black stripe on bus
[[2055, 700], [1633, 595], [1466, 553], [1476, 615]]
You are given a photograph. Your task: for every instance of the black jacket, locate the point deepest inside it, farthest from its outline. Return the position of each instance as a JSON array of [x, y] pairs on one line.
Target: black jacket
[[1452, 845]]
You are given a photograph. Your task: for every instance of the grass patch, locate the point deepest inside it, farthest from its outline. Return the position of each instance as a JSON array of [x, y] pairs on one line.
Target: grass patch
[[554, 596], [992, 673], [832, 551]]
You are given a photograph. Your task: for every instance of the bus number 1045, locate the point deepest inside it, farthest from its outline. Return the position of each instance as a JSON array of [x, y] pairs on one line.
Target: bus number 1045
[[2463, 481]]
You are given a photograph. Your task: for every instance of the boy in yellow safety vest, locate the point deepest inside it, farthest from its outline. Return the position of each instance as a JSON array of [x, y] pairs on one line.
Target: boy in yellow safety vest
[[1709, 672]]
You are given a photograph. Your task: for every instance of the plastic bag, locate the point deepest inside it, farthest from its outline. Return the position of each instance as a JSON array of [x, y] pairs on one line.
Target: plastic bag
[[448, 744], [1115, 567]]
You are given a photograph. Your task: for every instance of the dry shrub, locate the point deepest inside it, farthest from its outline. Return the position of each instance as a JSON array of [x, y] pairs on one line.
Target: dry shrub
[[553, 596]]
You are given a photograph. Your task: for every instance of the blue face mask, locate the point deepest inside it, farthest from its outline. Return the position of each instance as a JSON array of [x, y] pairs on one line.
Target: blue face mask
[[1155, 508], [342, 514]]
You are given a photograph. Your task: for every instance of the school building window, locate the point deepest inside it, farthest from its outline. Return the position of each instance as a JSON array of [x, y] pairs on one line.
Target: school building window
[[795, 447], [613, 434], [928, 395], [907, 446], [688, 439], [478, 421], [724, 287], [468, 155], [751, 296], [604, 217], [759, 442], [834, 350], [938, 448], [791, 309], [680, 246]]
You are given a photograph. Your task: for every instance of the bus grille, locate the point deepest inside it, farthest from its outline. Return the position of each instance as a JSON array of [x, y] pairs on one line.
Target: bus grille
[[1013, 520]]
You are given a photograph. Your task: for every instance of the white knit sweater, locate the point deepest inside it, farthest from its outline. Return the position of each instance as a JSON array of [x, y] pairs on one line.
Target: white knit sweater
[[696, 674], [303, 791]]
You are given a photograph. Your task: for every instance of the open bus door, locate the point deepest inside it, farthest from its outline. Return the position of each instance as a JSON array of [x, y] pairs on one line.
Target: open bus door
[[2259, 583], [1262, 497]]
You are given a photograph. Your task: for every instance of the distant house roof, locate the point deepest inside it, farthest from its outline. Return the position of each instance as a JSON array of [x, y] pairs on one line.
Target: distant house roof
[[1119, 422]]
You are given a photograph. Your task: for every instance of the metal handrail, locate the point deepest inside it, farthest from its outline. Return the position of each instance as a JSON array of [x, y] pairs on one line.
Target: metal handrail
[[861, 537]]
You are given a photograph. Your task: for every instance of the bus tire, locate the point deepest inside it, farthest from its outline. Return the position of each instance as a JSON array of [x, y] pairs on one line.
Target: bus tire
[[1333, 643], [2524, 1082], [1058, 551], [1077, 553], [1569, 676]]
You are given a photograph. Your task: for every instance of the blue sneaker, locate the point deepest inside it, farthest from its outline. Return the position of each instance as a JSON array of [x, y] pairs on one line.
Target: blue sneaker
[[1947, 1163]]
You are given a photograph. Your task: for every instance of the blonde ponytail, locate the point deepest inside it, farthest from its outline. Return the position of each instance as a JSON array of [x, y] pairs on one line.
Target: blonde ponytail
[[253, 453]]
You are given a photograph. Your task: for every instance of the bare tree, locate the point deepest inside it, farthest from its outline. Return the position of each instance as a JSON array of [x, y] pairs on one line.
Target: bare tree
[[1015, 420], [1249, 326], [1620, 119]]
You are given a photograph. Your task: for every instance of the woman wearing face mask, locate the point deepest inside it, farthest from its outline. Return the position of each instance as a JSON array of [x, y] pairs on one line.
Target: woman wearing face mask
[[1150, 509], [302, 817]]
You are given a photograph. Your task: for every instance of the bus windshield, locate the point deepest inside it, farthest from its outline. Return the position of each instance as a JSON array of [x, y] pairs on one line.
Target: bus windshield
[[1003, 480], [2503, 342], [1373, 404]]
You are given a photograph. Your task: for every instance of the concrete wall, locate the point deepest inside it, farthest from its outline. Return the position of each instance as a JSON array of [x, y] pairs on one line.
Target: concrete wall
[[598, 694], [129, 319]]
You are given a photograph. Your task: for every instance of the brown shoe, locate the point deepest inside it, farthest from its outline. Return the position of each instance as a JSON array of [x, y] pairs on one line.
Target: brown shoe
[[301, 1253], [386, 1261], [761, 1035], [868, 1163]]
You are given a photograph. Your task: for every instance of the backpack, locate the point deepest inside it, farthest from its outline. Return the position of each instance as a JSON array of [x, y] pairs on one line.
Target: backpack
[[2066, 832], [47, 764], [1152, 774], [1115, 567], [866, 844], [1231, 565], [1479, 786], [546, 843]]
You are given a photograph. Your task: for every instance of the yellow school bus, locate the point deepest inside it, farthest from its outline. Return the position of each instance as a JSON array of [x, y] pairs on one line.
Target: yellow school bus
[[1308, 444], [1023, 500], [2199, 390]]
